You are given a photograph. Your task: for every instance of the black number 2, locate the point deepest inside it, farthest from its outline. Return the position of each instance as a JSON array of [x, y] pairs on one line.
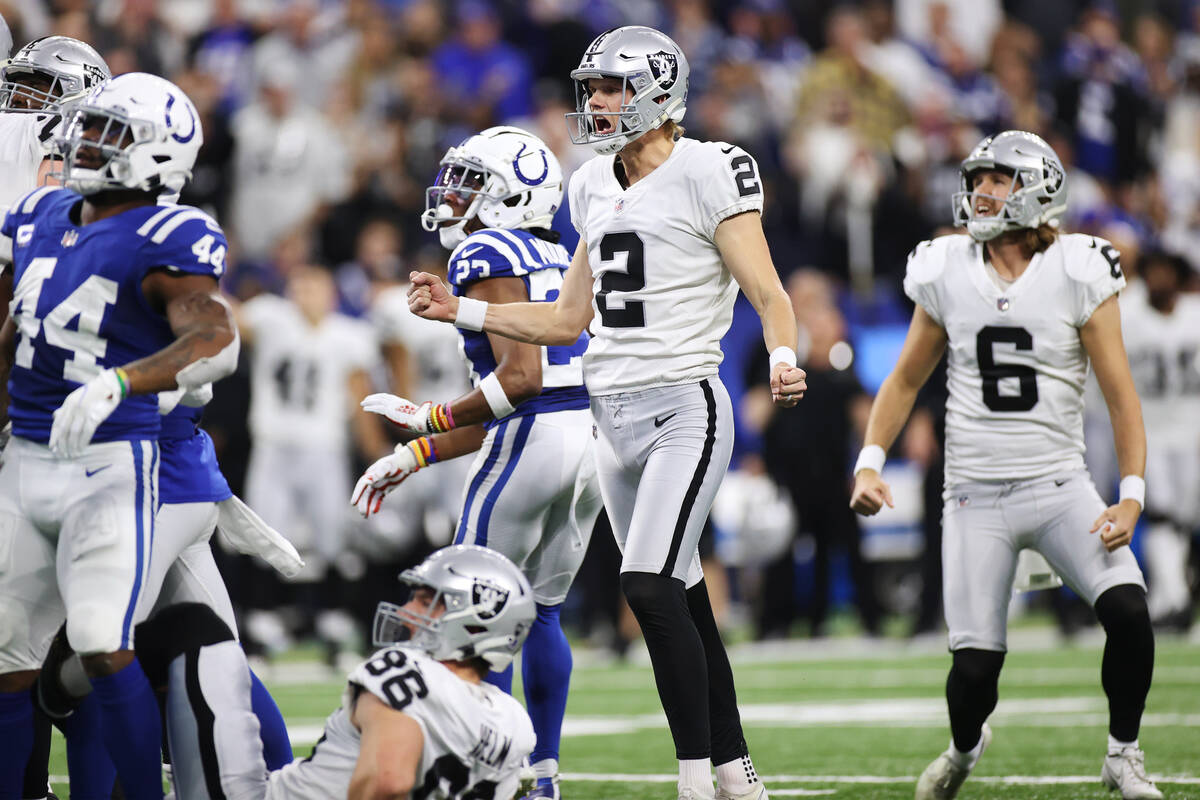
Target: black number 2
[[993, 372], [745, 175], [632, 313]]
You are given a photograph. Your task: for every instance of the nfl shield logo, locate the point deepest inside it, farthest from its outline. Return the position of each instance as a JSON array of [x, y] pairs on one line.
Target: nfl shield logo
[[69, 238], [620, 205]]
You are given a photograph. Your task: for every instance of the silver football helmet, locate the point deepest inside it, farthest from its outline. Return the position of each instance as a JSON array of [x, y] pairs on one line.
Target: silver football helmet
[[650, 65], [489, 608], [6, 41], [48, 73], [1039, 190], [510, 177]]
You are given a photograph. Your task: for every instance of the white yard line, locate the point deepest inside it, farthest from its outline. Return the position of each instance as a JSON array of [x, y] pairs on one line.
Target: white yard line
[[770, 780]]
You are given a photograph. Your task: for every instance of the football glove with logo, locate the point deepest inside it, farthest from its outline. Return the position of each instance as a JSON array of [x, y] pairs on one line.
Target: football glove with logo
[[423, 419], [389, 472]]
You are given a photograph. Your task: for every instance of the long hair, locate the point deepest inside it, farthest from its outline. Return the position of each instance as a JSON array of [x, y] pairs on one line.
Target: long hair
[[1033, 240]]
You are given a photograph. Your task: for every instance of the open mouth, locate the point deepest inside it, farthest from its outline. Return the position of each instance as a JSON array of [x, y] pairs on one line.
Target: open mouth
[[604, 125]]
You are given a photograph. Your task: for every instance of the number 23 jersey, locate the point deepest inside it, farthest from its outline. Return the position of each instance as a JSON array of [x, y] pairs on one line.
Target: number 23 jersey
[[1016, 365], [475, 736], [662, 297]]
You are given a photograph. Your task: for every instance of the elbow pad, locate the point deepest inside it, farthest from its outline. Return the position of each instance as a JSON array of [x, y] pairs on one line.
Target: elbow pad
[[211, 369]]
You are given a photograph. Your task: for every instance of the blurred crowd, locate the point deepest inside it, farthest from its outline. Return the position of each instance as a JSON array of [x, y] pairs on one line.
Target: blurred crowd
[[325, 120]]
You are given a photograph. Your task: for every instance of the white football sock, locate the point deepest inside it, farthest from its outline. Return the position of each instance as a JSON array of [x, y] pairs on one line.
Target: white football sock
[[1116, 745], [737, 776], [546, 768], [970, 758], [695, 773]]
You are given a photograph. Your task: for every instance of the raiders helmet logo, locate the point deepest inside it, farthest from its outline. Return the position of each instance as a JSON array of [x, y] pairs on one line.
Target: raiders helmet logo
[[488, 599], [664, 67], [1054, 175]]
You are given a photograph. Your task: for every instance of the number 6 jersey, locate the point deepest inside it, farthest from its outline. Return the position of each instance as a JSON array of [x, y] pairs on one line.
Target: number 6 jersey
[[662, 297], [1016, 365], [475, 736]]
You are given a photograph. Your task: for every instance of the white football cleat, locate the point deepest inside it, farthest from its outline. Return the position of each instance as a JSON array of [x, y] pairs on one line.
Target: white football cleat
[[1125, 770], [942, 779], [757, 792], [690, 793]]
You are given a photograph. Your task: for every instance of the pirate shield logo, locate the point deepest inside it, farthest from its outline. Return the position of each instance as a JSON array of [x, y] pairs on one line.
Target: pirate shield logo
[[664, 67], [488, 599]]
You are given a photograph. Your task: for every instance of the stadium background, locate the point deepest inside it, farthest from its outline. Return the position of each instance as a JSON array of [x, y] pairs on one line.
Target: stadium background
[[324, 121]]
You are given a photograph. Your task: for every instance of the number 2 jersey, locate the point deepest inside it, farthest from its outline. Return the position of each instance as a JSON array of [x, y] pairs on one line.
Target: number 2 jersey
[[475, 736], [78, 304], [1016, 365], [662, 297], [500, 253]]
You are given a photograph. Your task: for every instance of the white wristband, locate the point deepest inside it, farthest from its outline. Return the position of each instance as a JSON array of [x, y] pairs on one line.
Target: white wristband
[[871, 457], [497, 400], [1133, 487], [783, 355], [470, 314]]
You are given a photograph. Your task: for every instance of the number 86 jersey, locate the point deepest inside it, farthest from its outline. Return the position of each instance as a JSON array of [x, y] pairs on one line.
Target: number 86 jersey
[[475, 735], [662, 297], [1016, 365]]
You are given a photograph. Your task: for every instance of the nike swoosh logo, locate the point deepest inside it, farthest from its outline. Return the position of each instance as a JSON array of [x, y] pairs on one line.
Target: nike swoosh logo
[[625, 57], [728, 150], [660, 421], [91, 472], [466, 253], [1060, 483]]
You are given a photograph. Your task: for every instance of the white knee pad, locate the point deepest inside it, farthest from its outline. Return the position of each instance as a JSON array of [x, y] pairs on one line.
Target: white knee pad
[[94, 628]]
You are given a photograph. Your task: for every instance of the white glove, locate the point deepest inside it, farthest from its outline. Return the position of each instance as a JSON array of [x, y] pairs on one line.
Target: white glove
[[422, 419], [192, 398], [84, 410], [382, 477], [247, 533]]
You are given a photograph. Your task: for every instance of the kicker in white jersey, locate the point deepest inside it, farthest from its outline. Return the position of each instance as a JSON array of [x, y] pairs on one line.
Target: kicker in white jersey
[[1016, 364], [662, 296]]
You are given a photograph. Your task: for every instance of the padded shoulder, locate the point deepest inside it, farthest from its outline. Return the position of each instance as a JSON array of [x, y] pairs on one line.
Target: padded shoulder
[[927, 261], [1089, 259]]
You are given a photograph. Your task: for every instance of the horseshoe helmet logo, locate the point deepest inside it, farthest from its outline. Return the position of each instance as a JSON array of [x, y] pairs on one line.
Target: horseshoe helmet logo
[[524, 178], [171, 127]]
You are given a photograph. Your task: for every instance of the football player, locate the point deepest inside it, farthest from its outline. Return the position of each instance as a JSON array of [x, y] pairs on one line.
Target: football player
[[35, 84], [416, 720], [1163, 340], [531, 493], [115, 300], [669, 229], [1022, 309]]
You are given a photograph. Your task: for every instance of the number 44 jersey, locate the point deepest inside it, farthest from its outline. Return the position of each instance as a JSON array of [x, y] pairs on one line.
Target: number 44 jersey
[[1016, 365], [662, 296], [78, 304], [475, 736]]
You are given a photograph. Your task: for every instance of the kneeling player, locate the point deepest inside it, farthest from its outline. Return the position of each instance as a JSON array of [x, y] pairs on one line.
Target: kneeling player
[[416, 718]]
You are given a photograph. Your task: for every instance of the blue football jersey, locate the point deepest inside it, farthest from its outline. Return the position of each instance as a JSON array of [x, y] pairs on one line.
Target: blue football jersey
[[187, 470], [499, 253], [78, 304]]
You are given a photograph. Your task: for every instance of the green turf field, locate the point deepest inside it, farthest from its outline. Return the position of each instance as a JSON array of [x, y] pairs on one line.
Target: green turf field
[[848, 719]]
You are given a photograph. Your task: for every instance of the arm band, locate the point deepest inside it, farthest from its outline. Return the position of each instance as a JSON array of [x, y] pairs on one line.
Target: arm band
[[871, 457], [470, 314], [783, 355], [497, 400], [1133, 487]]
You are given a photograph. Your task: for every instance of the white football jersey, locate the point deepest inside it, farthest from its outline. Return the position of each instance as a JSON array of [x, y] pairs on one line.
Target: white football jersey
[[299, 373], [440, 367], [1164, 354], [24, 142], [1016, 364], [476, 736], [662, 297]]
